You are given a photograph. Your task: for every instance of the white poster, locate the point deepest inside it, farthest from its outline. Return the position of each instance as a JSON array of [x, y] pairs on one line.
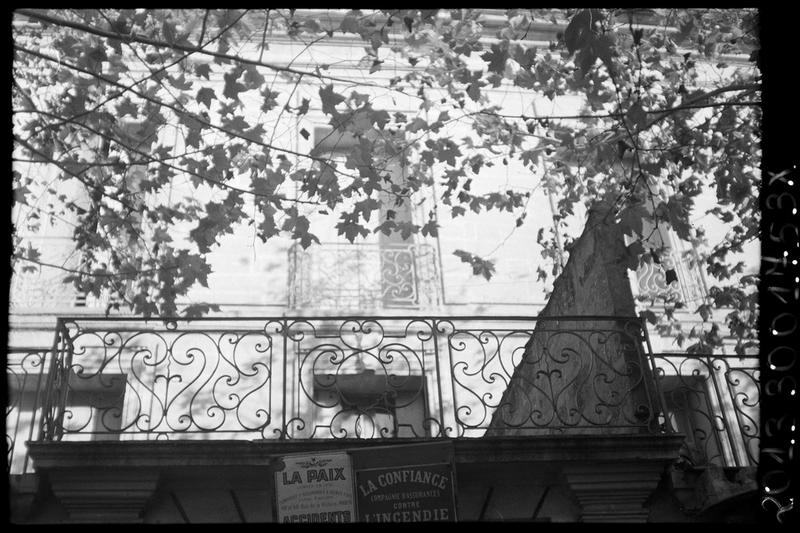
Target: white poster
[[315, 488]]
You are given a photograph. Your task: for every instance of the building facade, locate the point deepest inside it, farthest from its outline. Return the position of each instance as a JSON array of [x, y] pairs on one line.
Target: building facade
[[382, 343]]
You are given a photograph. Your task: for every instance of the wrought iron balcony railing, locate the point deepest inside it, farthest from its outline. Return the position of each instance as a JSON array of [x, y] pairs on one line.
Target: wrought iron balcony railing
[[26, 376], [714, 400], [376, 377], [363, 276]]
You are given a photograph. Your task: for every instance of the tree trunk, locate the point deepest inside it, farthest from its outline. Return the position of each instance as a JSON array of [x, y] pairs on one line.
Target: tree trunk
[[583, 375]]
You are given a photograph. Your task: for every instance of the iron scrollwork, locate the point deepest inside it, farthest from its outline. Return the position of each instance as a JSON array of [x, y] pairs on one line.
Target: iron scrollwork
[[389, 377], [363, 276]]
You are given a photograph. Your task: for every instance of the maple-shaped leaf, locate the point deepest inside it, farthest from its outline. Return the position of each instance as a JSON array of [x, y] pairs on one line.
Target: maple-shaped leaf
[[480, 267], [649, 316], [302, 109], [416, 125], [237, 124], [350, 229], [704, 311], [256, 133], [431, 228], [267, 227], [448, 151], [330, 100], [350, 22], [31, 253], [307, 239], [406, 229], [21, 194], [199, 309], [457, 210], [636, 116], [632, 217], [205, 96], [580, 30], [203, 70], [219, 158], [126, 107], [524, 56], [474, 91], [252, 78], [634, 251], [357, 122], [679, 209], [209, 227], [270, 99], [160, 235], [193, 268], [380, 118], [233, 87], [181, 83], [497, 57], [387, 227], [529, 157], [366, 207], [671, 276]]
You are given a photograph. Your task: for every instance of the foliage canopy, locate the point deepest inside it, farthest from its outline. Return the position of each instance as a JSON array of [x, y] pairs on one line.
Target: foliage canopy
[[670, 111]]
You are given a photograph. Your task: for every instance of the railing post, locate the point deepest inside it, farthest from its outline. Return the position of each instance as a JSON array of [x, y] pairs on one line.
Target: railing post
[[730, 445], [285, 380], [434, 326], [64, 380], [659, 401], [36, 398], [742, 438], [47, 420]]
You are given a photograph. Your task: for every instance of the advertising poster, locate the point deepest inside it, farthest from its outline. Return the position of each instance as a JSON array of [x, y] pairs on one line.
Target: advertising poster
[[415, 493], [315, 488]]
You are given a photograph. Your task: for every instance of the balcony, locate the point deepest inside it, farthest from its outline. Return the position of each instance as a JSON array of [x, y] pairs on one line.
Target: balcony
[[363, 276], [302, 379]]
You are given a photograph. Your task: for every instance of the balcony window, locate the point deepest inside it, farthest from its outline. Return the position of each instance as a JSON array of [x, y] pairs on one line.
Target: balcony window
[[380, 271], [369, 404]]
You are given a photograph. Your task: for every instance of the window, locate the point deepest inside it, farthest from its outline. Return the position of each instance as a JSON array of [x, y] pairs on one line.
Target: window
[[370, 404]]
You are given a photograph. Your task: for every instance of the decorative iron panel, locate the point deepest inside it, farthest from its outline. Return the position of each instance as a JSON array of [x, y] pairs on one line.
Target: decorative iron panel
[[363, 276], [715, 401], [687, 286]]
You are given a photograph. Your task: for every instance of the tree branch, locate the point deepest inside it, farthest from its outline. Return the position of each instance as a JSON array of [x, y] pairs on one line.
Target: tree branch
[[132, 274], [621, 115], [47, 159], [151, 159], [161, 44], [153, 73], [182, 112]]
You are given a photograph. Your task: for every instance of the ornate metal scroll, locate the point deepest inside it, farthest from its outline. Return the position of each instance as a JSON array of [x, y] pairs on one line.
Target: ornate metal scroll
[[162, 380], [363, 276], [390, 377], [687, 286], [714, 401], [26, 380], [361, 378], [576, 376]]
